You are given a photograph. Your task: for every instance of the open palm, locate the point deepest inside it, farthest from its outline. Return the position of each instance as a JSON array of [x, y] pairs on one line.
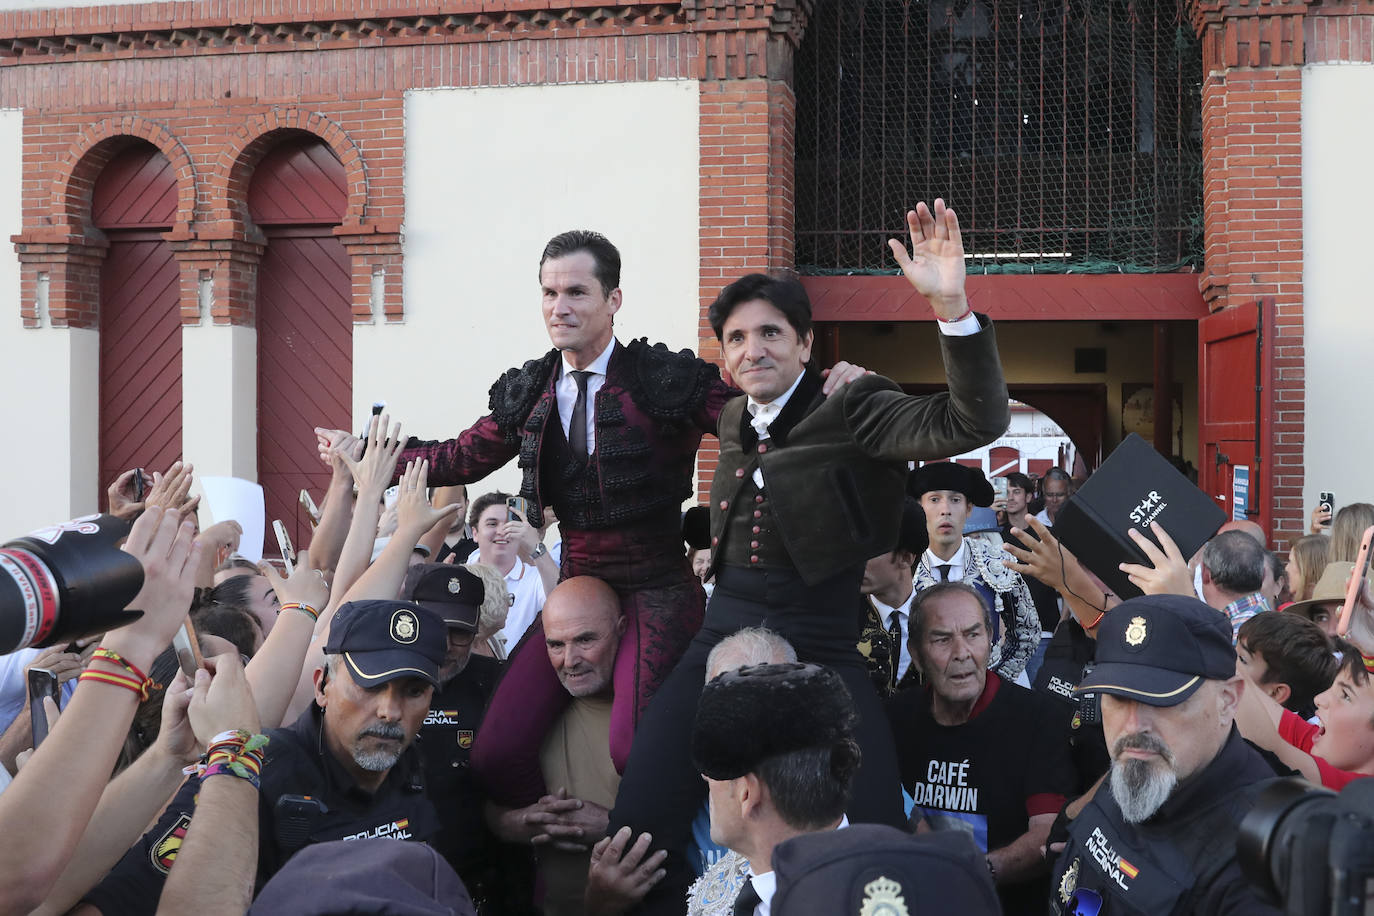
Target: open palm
[[935, 264]]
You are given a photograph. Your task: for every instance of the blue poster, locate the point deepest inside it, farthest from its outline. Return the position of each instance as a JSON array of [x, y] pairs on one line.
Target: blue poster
[[1240, 493]]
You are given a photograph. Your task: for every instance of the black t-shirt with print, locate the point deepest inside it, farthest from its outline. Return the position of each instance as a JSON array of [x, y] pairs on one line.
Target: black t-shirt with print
[[987, 776]]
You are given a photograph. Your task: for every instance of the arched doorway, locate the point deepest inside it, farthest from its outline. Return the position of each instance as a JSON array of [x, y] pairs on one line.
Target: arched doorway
[[305, 326], [134, 202]]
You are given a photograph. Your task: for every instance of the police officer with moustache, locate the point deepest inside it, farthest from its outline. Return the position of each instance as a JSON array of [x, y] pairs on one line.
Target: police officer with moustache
[[455, 712], [1159, 836], [345, 770]]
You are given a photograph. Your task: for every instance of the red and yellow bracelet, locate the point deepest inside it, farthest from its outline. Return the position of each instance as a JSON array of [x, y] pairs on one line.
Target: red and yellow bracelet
[[303, 608], [136, 680], [116, 679]]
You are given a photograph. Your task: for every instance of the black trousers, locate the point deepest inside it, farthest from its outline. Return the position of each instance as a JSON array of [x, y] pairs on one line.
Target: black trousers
[[661, 791]]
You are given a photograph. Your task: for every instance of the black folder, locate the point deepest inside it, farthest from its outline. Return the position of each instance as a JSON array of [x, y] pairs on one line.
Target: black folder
[[1134, 486]]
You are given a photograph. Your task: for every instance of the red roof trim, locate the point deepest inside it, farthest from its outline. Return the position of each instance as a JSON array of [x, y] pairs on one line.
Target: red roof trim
[[1019, 297]]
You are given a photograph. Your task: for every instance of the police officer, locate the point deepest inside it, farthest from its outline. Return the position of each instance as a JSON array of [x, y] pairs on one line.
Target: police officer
[[345, 770], [455, 712], [1159, 835]]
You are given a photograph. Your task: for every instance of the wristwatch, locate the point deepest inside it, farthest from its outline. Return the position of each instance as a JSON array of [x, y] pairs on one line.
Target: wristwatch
[[538, 551]]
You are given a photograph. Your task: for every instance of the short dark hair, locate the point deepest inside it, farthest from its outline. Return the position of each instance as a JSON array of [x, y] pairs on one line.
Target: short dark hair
[[1296, 652], [606, 255], [483, 503], [233, 592], [786, 294], [916, 627], [810, 788], [1024, 483], [1236, 562]]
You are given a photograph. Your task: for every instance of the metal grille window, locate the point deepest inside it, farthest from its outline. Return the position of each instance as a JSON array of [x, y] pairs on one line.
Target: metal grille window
[[1066, 133]]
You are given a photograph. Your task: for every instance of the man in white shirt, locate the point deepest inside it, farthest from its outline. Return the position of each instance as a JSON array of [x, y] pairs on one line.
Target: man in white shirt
[[1054, 487], [888, 588], [776, 746], [514, 549]]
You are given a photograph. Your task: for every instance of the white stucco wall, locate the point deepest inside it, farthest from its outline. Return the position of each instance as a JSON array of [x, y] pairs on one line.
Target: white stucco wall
[[49, 379], [1338, 306], [219, 404], [491, 175]]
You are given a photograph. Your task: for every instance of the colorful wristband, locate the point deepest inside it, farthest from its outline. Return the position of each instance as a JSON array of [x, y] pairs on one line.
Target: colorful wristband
[[303, 608], [117, 680]]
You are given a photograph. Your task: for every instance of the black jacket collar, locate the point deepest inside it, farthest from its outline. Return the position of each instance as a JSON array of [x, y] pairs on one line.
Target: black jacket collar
[[804, 400]]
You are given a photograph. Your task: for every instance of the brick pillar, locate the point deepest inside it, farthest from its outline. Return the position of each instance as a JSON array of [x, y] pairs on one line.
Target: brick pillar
[[748, 124], [374, 250], [1252, 202], [64, 270]]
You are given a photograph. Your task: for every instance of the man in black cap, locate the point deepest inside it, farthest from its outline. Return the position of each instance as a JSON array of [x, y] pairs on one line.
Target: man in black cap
[[887, 589], [776, 746], [1159, 837], [455, 712], [345, 770], [948, 492]]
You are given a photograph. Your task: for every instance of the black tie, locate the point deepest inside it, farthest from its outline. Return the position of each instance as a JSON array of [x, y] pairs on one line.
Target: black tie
[[894, 633], [746, 901], [944, 571], [577, 428]]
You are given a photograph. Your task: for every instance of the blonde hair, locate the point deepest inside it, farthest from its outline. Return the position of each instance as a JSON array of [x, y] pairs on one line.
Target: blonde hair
[[1347, 529], [496, 605], [1309, 554]]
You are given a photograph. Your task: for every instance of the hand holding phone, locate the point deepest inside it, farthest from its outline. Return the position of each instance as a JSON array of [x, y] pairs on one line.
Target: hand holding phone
[[42, 683], [312, 511], [187, 647], [517, 509], [288, 552], [1326, 503]]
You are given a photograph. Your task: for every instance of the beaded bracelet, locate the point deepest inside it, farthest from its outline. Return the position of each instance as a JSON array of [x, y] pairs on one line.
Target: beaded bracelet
[[304, 608], [116, 679]]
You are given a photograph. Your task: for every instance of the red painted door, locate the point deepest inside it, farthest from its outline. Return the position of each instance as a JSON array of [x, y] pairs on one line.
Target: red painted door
[[133, 202], [305, 324], [1003, 460], [1235, 409]]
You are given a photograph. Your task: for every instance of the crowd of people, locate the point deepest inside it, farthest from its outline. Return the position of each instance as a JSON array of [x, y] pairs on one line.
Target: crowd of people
[[903, 693]]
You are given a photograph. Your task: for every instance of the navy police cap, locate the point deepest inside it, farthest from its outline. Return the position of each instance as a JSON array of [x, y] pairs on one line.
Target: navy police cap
[[381, 641]]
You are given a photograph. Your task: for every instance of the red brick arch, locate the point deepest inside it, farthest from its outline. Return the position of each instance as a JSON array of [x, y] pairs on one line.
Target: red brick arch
[[228, 185], [89, 154]]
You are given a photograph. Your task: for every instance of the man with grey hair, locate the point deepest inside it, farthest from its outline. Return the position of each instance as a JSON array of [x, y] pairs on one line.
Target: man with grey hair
[[1234, 567], [1162, 839], [346, 769]]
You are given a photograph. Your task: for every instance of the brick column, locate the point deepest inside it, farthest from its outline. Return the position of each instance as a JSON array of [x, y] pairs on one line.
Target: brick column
[[1252, 202], [748, 122], [374, 250]]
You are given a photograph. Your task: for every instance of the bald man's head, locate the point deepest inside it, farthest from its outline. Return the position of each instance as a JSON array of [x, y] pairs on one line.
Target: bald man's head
[[1246, 527], [582, 628]]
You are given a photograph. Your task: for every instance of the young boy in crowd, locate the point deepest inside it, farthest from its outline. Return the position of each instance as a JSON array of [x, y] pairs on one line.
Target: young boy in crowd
[[1288, 657], [1341, 748]]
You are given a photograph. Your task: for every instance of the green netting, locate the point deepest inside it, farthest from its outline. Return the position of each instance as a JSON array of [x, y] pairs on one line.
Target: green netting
[[1065, 132]]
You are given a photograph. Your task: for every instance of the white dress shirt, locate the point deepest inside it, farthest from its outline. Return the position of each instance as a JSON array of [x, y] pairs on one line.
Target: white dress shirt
[[903, 615], [775, 407], [955, 563], [566, 392]]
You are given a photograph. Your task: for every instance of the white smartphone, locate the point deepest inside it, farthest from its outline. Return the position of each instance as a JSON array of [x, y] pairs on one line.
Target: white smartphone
[[288, 553]]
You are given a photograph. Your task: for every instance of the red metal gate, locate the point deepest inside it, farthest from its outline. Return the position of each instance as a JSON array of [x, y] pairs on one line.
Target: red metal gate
[[140, 322], [1235, 389], [305, 324]]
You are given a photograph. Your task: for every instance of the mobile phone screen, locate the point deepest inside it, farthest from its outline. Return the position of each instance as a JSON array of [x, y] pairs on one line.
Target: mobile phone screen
[[42, 683], [1357, 579], [187, 647]]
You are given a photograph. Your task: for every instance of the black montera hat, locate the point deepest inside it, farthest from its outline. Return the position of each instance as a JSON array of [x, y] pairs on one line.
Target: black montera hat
[[384, 640], [871, 868], [946, 475], [452, 592], [1158, 649], [750, 714]]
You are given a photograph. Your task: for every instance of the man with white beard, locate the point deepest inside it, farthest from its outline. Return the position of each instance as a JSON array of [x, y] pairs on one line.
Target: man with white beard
[[1160, 836]]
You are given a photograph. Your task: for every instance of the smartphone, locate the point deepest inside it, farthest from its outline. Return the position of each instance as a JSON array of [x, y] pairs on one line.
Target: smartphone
[[288, 553], [1357, 579], [140, 485], [1326, 502], [311, 510], [999, 489], [517, 504], [42, 683], [186, 645]]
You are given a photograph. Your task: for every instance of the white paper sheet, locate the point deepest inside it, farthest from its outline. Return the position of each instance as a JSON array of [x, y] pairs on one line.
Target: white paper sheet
[[240, 500]]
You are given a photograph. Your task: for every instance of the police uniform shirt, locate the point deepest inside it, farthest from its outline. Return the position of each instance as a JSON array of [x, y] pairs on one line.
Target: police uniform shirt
[[987, 777], [1068, 653], [1180, 861], [297, 764], [455, 714]]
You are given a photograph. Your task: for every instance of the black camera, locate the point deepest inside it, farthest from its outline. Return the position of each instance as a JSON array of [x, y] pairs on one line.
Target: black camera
[[1310, 850], [67, 581]]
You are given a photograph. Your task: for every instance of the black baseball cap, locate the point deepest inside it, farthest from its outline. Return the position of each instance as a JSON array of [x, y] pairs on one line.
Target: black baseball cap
[[381, 641], [873, 868], [1158, 650], [454, 593]]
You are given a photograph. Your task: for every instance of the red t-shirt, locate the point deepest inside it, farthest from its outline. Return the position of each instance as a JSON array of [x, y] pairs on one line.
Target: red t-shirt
[[1301, 734]]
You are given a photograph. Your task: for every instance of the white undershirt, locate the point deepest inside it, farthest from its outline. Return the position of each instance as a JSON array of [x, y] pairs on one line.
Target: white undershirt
[[566, 392]]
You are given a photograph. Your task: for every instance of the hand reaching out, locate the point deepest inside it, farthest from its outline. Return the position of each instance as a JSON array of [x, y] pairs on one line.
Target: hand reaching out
[[414, 514], [169, 490], [222, 700], [1045, 559], [619, 878], [304, 586], [841, 374], [121, 495], [170, 553], [935, 265], [1168, 573], [378, 465]]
